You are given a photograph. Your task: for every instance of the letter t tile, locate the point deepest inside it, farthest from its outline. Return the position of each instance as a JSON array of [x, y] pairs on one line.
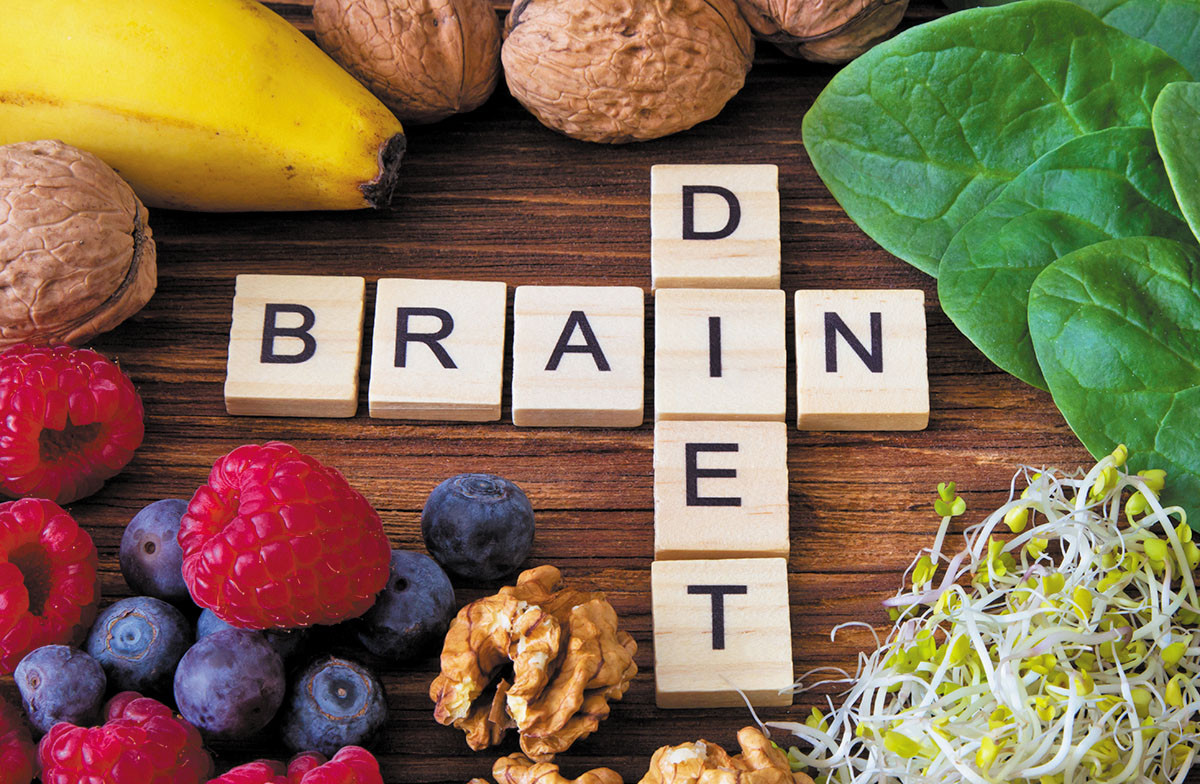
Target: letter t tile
[[720, 626]]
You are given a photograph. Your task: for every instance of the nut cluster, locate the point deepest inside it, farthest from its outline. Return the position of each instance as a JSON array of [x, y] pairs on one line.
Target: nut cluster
[[536, 656], [760, 762]]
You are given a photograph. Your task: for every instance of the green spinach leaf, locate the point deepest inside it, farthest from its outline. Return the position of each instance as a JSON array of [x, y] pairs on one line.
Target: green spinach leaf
[[1176, 121], [1097, 187], [1171, 25], [1117, 333], [914, 137]]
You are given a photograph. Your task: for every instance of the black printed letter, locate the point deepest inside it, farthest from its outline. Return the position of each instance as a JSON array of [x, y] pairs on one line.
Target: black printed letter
[[714, 346], [577, 319], [271, 331], [834, 326], [689, 212], [693, 474], [404, 337], [717, 592]]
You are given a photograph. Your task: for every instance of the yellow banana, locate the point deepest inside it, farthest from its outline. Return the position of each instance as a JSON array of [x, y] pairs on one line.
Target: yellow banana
[[200, 104]]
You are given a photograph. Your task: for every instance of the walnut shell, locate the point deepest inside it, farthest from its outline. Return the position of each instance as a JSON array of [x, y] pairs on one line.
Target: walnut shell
[[425, 59], [625, 70], [827, 31], [76, 254]]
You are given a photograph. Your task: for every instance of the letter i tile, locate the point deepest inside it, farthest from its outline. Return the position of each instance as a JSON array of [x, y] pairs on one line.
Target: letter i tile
[[294, 346]]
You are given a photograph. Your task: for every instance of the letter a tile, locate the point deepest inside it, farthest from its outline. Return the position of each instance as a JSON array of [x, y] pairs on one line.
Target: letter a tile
[[860, 360], [578, 356], [721, 626], [720, 489], [295, 345], [714, 226], [438, 350]]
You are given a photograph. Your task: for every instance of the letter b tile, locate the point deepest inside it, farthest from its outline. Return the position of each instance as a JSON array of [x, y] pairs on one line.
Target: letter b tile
[[294, 346], [578, 356], [720, 489], [438, 350], [714, 226], [720, 626]]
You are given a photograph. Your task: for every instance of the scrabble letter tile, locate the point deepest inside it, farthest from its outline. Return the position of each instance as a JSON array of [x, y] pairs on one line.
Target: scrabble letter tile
[[719, 626], [714, 226], [438, 350], [720, 489], [860, 360], [578, 356], [295, 345], [719, 354]]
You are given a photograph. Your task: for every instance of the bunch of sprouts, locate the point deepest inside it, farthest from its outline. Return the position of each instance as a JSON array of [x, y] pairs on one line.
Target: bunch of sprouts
[[1062, 651]]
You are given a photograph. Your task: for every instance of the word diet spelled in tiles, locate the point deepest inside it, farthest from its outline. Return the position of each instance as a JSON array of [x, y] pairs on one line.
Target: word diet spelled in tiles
[[719, 582]]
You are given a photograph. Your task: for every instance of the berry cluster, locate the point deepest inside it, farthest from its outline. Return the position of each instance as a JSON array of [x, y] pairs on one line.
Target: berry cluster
[[272, 545]]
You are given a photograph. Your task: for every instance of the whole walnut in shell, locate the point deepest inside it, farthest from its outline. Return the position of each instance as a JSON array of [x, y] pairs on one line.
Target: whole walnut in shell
[[76, 254], [625, 70], [425, 59], [828, 31]]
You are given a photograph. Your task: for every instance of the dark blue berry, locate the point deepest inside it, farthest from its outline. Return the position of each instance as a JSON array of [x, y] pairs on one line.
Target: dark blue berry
[[138, 641], [230, 684], [412, 613], [334, 703], [151, 558], [60, 683], [478, 526], [286, 642]]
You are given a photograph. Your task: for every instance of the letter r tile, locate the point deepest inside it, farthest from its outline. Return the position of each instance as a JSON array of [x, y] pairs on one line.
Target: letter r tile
[[720, 489], [294, 346], [720, 626], [438, 350], [578, 356], [714, 226]]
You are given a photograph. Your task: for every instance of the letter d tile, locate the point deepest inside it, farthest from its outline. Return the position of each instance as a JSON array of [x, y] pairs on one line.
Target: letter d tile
[[294, 346]]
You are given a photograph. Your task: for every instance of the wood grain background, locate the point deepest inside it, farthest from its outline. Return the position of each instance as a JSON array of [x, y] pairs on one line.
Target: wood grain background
[[495, 196]]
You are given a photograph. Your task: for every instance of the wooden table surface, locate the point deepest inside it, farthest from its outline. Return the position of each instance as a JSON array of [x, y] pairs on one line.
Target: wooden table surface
[[496, 196]]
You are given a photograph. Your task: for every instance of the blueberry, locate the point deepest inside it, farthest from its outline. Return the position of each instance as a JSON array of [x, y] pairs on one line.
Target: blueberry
[[334, 703], [413, 611], [151, 558], [230, 684], [478, 526], [286, 642], [60, 683], [138, 641]]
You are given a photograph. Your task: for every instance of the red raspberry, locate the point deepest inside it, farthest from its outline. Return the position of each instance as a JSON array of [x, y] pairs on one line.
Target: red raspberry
[[351, 765], [260, 772], [277, 540], [16, 747], [48, 583], [141, 743], [69, 419]]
